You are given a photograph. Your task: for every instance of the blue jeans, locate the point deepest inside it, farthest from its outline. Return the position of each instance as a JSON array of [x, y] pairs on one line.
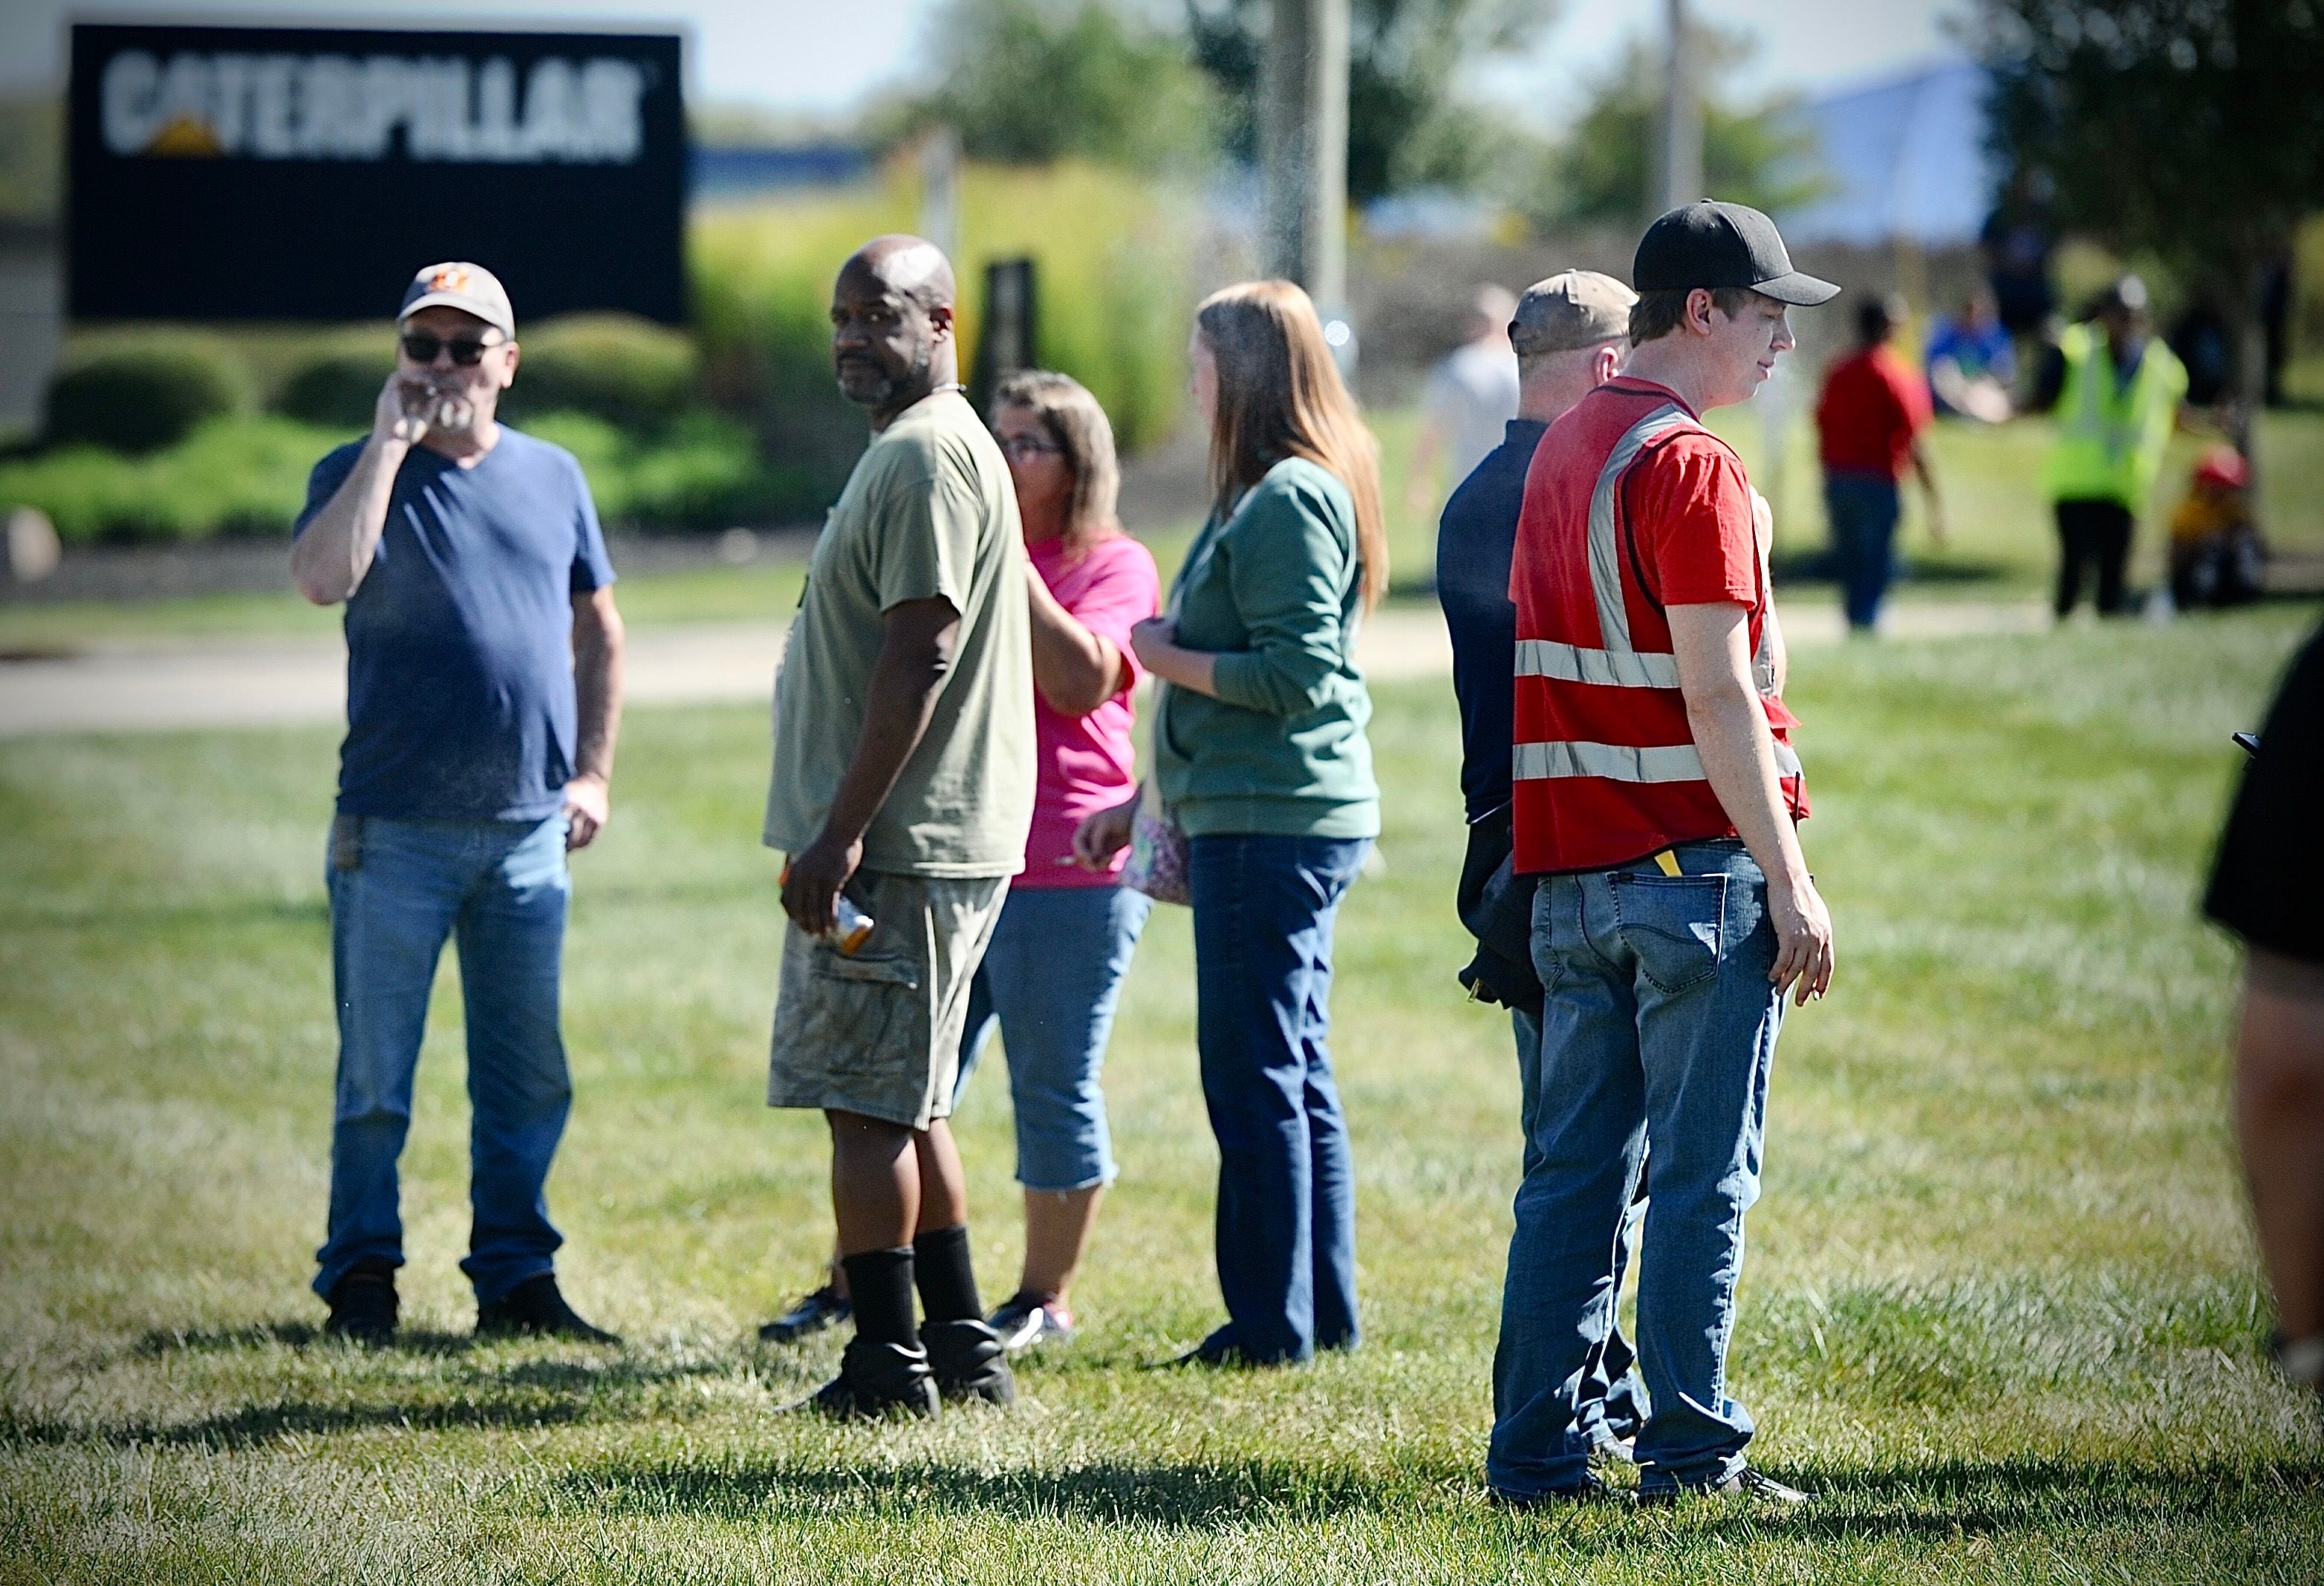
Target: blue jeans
[[1609, 1402], [1658, 1032], [1050, 979], [397, 891], [1264, 908], [1863, 508]]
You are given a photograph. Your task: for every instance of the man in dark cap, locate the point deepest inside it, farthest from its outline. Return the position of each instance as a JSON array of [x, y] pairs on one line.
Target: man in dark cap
[[1655, 794]]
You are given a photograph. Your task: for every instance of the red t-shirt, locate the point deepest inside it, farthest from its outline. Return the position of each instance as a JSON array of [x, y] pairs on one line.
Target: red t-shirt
[[1086, 763], [1873, 405], [1683, 535]]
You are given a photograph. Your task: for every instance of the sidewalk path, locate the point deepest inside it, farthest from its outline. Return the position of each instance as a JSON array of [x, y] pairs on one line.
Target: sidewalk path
[[231, 683]]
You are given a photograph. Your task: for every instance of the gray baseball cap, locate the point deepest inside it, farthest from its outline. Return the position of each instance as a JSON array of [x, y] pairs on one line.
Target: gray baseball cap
[[1578, 308], [457, 284]]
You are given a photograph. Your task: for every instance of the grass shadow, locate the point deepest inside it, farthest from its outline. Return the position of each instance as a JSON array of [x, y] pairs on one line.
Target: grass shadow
[[1195, 1494], [1988, 1498], [1926, 1502], [159, 1342], [257, 1424]]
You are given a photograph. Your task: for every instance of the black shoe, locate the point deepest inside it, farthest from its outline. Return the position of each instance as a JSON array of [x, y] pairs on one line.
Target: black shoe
[[1590, 1489], [1745, 1482], [969, 1361], [877, 1381], [534, 1306], [363, 1304], [1221, 1350], [826, 1307]]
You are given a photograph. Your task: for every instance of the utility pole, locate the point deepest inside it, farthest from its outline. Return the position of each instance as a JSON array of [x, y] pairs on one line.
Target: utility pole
[[1303, 148], [1681, 119]]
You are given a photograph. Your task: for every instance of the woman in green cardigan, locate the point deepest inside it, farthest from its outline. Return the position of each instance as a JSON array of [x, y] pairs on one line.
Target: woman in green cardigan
[[1261, 756]]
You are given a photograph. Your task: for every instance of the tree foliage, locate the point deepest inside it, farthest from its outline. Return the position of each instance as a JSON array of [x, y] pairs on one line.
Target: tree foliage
[[1025, 82], [1603, 170], [1407, 127], [2190, 129]]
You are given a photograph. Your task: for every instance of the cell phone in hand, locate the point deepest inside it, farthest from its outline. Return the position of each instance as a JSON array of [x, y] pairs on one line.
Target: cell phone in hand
[[2247, 741]]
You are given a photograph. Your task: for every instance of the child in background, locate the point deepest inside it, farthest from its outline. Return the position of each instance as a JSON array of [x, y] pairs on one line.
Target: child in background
[[2216, 557]]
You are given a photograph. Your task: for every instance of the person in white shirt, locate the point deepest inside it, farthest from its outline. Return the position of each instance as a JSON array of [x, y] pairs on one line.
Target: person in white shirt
[[1470, 399]]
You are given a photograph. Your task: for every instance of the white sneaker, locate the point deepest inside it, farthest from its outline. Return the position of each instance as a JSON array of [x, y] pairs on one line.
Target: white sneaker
[[1028, 1320]]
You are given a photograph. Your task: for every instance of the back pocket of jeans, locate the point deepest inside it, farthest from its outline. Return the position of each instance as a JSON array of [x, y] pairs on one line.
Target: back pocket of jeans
[[1676, 925]]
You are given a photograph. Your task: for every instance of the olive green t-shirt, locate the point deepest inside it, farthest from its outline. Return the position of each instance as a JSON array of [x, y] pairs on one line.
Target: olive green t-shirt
[[928, 513]]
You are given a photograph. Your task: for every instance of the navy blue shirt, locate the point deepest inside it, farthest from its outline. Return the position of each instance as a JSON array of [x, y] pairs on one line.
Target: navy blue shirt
[[1476, 541], [460, 698]]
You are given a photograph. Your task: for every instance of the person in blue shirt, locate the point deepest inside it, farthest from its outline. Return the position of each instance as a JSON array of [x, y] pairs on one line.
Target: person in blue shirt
[[1971, 361], [1570, 333], [484, 698]]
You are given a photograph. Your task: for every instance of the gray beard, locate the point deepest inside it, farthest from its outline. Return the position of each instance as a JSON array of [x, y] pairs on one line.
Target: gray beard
[[893, 386]]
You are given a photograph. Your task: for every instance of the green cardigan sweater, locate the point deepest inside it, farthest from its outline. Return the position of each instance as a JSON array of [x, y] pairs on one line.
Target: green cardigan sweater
[[1275, 591]]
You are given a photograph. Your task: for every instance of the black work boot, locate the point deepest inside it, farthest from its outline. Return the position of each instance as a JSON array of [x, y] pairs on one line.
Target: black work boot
[[363, 1303], [877, 1379], [968, 1360], [535, 1306]]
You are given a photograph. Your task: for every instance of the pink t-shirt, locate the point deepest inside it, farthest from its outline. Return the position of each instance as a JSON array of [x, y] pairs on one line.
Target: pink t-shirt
[[1087, 762]]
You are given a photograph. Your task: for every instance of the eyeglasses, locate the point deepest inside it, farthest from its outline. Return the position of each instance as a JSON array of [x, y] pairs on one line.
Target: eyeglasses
[[467, 350], [1024, 448]]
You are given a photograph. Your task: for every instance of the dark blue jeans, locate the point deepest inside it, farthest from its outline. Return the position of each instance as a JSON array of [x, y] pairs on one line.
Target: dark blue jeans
[[1863, 508], [1264, 906], [398, 890]]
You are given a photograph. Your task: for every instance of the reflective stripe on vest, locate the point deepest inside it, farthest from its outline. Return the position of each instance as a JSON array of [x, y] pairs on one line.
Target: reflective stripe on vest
[[1605, 543], [1619, 664], [1570, 663], [1620, 762]]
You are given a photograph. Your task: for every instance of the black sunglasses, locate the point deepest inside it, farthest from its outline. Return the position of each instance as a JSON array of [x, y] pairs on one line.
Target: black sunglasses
[[467, 350]]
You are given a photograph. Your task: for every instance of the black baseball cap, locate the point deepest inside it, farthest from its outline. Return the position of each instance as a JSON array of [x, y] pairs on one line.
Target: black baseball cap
[[1715, 244]]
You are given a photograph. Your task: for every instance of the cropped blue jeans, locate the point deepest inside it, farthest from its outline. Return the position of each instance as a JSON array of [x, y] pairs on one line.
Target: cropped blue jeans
[[1050, 981]]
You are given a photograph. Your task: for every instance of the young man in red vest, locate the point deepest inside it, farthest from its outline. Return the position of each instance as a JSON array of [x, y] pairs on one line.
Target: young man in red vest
[[1655, 795]]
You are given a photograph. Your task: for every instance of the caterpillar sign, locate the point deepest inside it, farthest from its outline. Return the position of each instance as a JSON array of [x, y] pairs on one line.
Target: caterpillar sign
[[277, 173]]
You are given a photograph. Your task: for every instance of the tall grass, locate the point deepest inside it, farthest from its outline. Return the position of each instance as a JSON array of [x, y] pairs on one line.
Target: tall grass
[[1112, 253]]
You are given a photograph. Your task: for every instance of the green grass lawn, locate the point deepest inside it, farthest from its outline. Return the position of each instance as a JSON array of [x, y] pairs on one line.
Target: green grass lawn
[[2001, 1310]]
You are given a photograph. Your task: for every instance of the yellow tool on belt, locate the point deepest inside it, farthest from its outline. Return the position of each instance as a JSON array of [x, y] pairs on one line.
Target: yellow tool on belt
[[1669, 862]]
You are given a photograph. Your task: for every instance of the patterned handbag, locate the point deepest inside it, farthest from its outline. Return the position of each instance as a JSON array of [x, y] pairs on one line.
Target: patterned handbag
[[1157, 854]]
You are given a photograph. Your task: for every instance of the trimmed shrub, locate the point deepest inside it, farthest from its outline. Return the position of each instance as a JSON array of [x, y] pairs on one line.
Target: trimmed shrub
[[242, 475], [140, 399], [702, 472], [630, 374], [336, 390]]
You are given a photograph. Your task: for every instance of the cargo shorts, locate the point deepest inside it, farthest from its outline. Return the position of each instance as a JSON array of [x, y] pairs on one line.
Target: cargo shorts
[[877, 1032]]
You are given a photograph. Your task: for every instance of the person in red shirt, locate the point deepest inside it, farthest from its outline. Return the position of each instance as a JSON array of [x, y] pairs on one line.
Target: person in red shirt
[[1656, 793], [1871, 416]]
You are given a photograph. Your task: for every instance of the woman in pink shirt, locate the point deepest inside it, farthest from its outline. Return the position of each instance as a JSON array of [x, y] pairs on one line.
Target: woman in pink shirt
[[1053, 973]]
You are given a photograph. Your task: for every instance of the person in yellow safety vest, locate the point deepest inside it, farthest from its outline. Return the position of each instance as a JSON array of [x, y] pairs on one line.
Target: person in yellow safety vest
[[2117, 392]]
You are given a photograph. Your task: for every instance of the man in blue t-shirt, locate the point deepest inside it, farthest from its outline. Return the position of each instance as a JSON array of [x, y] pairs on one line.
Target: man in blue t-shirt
[[484, 696], [1571, 332]]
